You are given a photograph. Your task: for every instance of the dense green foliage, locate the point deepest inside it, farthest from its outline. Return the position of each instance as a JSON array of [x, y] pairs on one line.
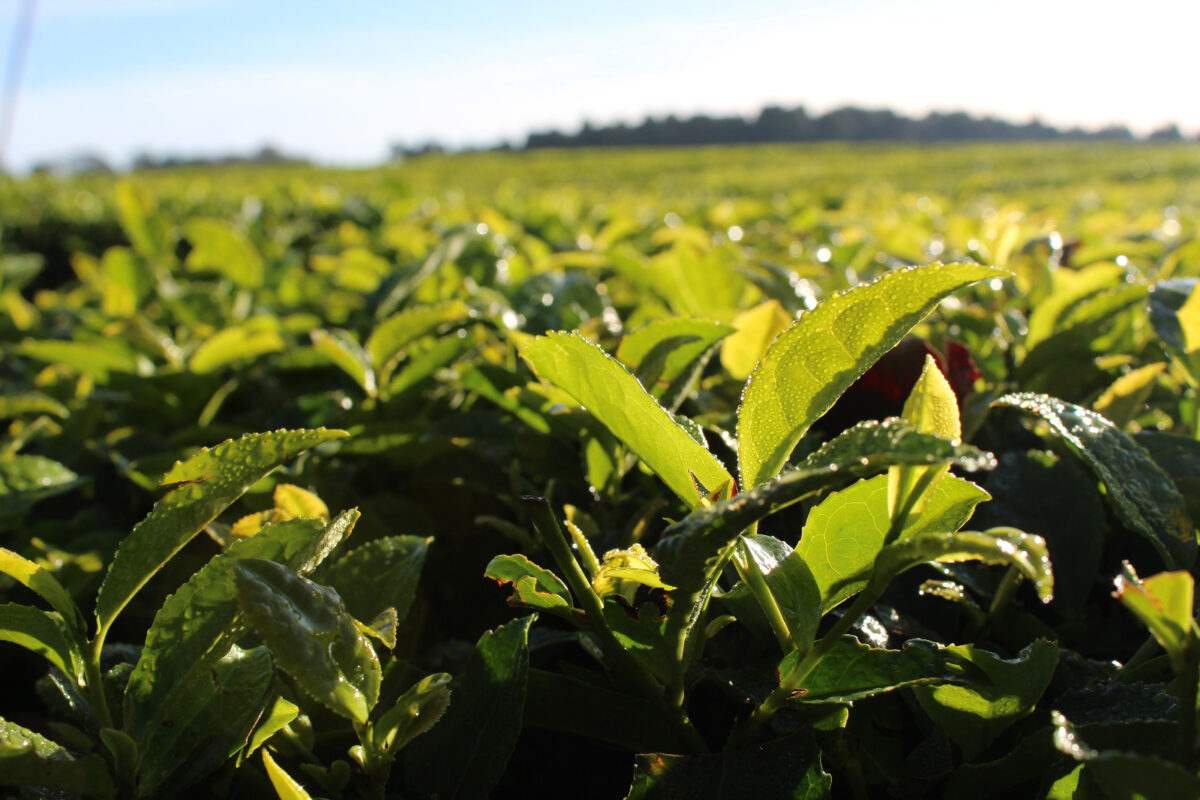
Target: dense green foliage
[[569, 475]]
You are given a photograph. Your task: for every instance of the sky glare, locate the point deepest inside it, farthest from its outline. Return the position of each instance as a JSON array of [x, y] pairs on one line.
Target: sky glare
[[341, 82]]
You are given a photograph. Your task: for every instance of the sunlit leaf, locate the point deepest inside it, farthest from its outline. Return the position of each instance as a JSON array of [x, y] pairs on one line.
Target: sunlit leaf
[[613, 396], [931, 407], [218, 247], [533, 586], [811, 363], [756, 329], [974, 715], [341, 349], [286, 787], [234, 345], [44, 633]]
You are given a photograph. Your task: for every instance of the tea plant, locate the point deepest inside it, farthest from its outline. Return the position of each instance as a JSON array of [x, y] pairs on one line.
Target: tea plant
[[775, 514]]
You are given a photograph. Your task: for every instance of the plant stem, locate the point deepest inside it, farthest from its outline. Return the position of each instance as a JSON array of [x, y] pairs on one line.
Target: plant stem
[[95, 680], [1004, 593], [752, 575], [792, 681], [593, 608]]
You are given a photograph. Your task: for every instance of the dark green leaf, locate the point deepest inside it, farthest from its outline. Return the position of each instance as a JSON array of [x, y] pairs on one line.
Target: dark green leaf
[[1166, 299], [1125, 776], [380, 574], [785, 768], [206, 719], [810, 364], [209, 482], [974, 715], [311, 636], [1057, 500], [852, 670], [26, 479], [28, 759], [417, 710], [465, 754], [1179, 456], [1137, 488], [791, 590], [562, 703], [198, 623]]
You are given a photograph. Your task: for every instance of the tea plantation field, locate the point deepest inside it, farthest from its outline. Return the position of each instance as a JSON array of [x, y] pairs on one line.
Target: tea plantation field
[[805, 471]]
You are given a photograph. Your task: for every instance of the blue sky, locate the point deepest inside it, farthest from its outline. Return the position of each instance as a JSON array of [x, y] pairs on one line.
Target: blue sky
[[342, 81]]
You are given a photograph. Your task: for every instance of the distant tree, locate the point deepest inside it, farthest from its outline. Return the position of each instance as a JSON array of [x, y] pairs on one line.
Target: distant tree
[[1167, 133]]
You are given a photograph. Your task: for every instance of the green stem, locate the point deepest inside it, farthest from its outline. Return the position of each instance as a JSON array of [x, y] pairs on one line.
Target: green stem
[[1004, 593], [795, 677], [754, 578], [95, 680], [552, 536]]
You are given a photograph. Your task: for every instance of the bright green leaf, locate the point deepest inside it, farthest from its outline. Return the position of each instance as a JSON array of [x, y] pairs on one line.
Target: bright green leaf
[[533, 586], [238, 344], [811, 363], [613, 396], [218, 247], [852, 670], [662, 350], [756, 329], [94, 358], [975, 714], [42, 581], [44, 633], [845, 532], [341, 349], [931, 407], [286, 787]]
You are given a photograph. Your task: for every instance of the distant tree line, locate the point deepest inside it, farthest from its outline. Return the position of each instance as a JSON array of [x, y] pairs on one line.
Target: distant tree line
[[92, 164], [846, 124]]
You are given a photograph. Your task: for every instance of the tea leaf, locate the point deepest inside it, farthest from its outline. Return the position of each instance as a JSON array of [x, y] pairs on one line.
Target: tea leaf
[[852, 670], [1165, 604], [791, 591], [218, 247], [348, 356], [811, 363], [285, 785], [533, 586], [756, 329], [212, 480], [417, 710], [931, 407], [1139, 491], [280, 715], [662, 350], [299, 503], [845, 532], [96, 358], [380, 574], [20, 404], [43, 582], [387, 342], [197, 624], [240, 343], [789, 767], [974, 715], [466, 753], [205, 719], [44, 633], [1119, 774], [29, 759], [613, 396], [311, 636]]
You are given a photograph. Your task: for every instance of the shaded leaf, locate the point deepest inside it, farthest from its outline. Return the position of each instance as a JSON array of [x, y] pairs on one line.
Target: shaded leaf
[[785, 768], [201, 620], [661, 351], [22, 403], [1120, 775], [1124, 399], [29, 759], [44, 633], [380, 574], [206, 719], [42, 581], [387, 343], [787, 589], [1139, 491], [466, 753], [311, 636], [811, 363]]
